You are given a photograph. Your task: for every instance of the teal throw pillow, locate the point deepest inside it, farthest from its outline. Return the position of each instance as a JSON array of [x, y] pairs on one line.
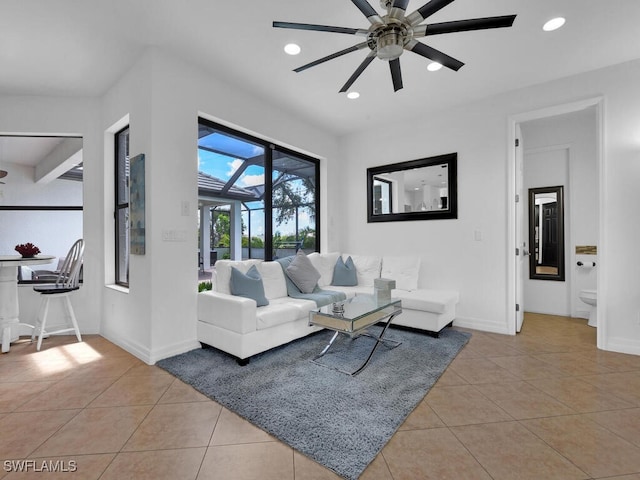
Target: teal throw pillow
[[344, 273], [248, 285], [302, 273]]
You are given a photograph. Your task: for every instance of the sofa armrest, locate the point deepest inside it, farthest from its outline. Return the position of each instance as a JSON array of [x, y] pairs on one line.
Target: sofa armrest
[[237, 314]]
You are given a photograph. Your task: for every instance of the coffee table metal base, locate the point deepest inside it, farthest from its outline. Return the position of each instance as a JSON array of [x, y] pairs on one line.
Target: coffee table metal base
[[378, 338]]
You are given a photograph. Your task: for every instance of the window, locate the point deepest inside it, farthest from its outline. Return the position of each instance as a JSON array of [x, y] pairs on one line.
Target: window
[[121, 214], [262, 192]]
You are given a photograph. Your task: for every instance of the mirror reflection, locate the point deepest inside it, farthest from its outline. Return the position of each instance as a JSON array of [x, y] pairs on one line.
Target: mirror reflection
[[415, 190], [546, 233]]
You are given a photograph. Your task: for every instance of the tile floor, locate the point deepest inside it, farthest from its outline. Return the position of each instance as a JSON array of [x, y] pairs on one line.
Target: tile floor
[[545, 404]]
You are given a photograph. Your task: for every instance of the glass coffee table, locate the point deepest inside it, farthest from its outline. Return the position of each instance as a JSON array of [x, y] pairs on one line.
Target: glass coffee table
[[353, 316]]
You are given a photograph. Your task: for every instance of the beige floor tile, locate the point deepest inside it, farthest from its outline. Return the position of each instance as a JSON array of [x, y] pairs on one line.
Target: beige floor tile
[[464, 405], [581, 396], [572, 363], [77, 467], [69, 393], [15, 394], [522, 400], [625, 423], [623, 385], [180, 464], [144, 370], [135, 390], [507, 447], [95, 430], [433, 454], [527, 367], [21, 433], [618, 362], [422, 416], [589, 446], [176, 425], [232, 429], [307, 469], [449, 378], [180, 392], [481, 370], [106, 367], [377, 470], [264, 461]]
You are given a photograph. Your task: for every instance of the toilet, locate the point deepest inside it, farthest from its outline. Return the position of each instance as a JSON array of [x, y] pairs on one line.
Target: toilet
[[589, 297]]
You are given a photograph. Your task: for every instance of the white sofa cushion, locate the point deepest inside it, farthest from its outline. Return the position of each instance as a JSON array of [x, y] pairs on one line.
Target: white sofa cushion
[[324, 263], [404, 270], [436, 301], [368, 268], [279, 311], [223, 272]]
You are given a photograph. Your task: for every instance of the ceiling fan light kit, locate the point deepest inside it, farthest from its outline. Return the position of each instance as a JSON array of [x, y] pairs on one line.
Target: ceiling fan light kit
[[390, 35]]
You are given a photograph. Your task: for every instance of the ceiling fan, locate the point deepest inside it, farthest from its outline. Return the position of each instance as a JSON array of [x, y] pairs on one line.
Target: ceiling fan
[[389, 35], [3, 173]]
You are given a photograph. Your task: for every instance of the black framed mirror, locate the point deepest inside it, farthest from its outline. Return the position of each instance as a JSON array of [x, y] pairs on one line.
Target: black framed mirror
[[546, 233], [423, 189]]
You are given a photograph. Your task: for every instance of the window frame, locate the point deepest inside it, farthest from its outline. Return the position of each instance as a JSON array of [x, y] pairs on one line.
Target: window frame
[[118, 206], [269, 149]]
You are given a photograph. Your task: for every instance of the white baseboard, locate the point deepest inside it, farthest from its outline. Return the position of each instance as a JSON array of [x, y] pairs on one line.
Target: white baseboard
[[134, 348], [175, 349], [150, 357], [481, 324], [623, 345]]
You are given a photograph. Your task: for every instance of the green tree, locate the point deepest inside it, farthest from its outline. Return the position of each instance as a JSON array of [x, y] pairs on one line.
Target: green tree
[[291, 192]]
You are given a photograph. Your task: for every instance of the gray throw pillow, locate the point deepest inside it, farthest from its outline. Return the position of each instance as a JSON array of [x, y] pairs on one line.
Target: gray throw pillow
[[248, 285], [344, 273], [302, 273]]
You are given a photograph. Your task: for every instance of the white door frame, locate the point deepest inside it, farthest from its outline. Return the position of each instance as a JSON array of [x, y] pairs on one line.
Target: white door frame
[[512, 121]]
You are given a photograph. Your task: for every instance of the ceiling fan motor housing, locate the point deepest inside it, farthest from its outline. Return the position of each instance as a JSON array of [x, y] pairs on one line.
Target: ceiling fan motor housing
[[390, 41]]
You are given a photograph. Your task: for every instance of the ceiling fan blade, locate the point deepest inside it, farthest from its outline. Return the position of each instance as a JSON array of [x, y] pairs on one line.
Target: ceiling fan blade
[[427, 10], [396, 74], [321, 28], [355, 48], [464, 25], [358, 71], [368, 11], [398, 8], [401, 4], [433, 54]]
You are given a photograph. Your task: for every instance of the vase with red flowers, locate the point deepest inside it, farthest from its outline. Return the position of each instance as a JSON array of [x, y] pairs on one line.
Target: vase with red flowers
[[27, 250]]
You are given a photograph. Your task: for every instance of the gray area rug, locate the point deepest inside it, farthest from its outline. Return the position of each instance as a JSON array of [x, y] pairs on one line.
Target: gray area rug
[[338, 420]]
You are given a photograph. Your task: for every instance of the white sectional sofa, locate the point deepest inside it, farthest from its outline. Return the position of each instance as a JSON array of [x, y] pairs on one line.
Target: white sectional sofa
[[238, 326]]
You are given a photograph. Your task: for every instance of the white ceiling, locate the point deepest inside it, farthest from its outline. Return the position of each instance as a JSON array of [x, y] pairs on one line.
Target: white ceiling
[[28, 151], [72, 47]]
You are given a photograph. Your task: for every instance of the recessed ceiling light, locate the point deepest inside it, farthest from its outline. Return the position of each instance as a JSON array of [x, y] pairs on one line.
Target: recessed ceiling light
[[292, 49], [434, 67], [553, 24], [353, 95]]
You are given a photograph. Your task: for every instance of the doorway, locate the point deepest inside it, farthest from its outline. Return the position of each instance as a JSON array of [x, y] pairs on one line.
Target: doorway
[[577, 228]]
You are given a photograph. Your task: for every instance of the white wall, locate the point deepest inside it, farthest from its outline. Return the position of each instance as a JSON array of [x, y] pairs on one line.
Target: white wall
[[576, 135], [64, 117], [163, 96], [479, 132]]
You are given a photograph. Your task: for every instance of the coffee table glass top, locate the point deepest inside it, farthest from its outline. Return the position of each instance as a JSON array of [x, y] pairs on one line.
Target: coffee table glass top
[[357, 313]]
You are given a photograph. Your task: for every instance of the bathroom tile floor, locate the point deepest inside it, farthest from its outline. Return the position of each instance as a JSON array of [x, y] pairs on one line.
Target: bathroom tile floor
[[544, 404]]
